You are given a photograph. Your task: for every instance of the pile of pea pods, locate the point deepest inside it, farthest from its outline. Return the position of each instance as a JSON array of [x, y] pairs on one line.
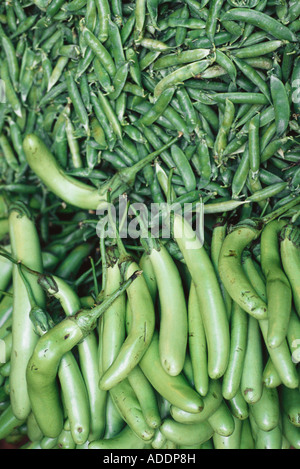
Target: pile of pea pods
[[178, 339]]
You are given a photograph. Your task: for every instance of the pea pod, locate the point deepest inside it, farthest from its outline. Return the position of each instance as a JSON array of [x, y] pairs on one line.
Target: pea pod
[[178, 76], [281, 105], [260, 20]]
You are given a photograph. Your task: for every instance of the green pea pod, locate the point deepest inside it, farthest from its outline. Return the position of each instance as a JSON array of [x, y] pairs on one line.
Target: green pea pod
[[158, 107], [100, 51], [224, 129], [281, 105], [260, 20], [180, 58], [181, 74], [224, 61], [183, 166], [103, 9], [12, 61], [140, 20], [11, 96], [212, 20]]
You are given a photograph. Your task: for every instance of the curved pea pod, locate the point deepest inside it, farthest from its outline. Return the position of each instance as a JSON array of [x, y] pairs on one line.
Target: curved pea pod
[[260, 20], [180, 58], [158, 107], [181, 74], [184, 168]]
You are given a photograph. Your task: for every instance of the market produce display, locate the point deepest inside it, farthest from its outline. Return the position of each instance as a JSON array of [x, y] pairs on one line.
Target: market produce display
[[149, 224]]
